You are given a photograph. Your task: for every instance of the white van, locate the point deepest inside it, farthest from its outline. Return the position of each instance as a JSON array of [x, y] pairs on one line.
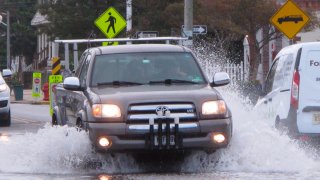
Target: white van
[[291, 93]]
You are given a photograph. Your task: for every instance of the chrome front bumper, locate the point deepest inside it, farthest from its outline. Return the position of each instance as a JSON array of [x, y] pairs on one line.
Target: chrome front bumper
[[128, 137]]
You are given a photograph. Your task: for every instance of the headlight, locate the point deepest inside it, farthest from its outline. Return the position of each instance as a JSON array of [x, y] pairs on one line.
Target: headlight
[[106, 110], [3, 87], [214, 107]]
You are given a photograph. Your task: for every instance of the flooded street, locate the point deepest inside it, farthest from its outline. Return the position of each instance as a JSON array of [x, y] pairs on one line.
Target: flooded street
[[257, 151]]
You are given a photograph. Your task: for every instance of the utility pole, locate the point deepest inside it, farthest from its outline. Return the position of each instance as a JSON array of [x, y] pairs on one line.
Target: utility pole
[[188, 22], [8, 41], [129, 17], [8, 37]]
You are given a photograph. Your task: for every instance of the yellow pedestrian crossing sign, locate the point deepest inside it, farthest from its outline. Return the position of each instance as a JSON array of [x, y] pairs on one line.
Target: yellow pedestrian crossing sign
[[111, 23], [289, 19]]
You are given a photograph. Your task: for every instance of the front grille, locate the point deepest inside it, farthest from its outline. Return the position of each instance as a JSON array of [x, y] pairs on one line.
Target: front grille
[[3, 103], [141, 113]]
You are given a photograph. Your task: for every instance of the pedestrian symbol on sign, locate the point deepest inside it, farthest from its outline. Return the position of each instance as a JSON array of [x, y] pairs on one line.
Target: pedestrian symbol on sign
[[112, 20], [36, 85]]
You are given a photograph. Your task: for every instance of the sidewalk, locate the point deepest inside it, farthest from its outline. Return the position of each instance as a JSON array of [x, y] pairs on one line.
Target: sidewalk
[[28, 99]]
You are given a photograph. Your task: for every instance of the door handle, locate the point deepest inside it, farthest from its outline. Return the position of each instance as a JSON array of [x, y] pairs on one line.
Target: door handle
[[266, 101]]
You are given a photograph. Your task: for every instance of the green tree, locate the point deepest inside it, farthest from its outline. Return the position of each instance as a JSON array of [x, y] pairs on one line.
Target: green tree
[[230, 20], [23, 36], [74, 19]]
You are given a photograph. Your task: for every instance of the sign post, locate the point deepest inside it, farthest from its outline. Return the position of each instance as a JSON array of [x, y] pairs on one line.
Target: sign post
[[289, 19], [53, 81], [56, 65], [36, 85]]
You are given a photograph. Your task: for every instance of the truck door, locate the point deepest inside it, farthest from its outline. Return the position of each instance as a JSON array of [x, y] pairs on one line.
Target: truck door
[[71, 96], [308, 113], [79, 96]]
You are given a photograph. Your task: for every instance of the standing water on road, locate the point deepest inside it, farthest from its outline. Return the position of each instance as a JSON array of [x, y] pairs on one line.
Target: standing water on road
[[256, 147]]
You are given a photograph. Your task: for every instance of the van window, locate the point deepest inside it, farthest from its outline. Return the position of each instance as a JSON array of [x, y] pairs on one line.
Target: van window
[[283, 72], [270, 77], [287, 71]]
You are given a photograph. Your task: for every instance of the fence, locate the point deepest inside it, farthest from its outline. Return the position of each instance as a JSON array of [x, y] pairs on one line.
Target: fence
[[237, 72]]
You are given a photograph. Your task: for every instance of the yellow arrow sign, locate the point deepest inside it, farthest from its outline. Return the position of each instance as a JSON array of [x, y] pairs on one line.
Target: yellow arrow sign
[[111, 23], [289, 19]]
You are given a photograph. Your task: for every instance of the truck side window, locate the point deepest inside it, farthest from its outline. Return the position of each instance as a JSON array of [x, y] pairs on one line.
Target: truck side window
[[270, 77], [84, 71], [82, 58]]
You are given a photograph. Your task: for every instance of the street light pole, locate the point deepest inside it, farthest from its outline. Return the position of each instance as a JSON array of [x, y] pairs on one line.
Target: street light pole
[[8, 38], [8, 41]]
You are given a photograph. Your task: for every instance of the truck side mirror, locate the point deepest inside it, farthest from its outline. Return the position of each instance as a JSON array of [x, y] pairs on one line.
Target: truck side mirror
[[220, 79], [72, 84]]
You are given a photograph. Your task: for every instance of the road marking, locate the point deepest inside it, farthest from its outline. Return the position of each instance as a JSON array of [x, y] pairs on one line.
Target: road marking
[[24, 121]]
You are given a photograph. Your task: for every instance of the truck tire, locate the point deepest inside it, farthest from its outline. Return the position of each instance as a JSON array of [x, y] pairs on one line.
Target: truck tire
[[79, 125], [54, 120], [6, 122]]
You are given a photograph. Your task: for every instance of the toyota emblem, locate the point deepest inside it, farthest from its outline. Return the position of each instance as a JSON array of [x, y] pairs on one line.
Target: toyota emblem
[[162, 111]]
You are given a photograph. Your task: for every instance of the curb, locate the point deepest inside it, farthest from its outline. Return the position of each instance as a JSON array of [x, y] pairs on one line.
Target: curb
[[31, 102]]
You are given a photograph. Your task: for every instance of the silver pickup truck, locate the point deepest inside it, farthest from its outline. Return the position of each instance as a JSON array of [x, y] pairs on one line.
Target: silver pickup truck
[[144, 97]]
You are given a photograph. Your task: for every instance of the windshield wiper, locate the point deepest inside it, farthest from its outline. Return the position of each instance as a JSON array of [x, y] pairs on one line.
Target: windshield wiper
[[119, 83], [171, 81]]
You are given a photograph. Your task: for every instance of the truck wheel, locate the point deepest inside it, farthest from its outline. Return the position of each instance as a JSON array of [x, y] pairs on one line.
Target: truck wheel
[[6, 122], [54, 120], [277, 124], [280, 126], [79, 125]]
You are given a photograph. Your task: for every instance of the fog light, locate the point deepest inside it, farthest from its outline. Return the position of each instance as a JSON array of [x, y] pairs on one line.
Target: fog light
[[4, 137], [218, 138], [104, 142]]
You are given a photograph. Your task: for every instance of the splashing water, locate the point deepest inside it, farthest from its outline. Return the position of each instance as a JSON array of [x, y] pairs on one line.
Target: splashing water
[[255, 145], [58, 150]]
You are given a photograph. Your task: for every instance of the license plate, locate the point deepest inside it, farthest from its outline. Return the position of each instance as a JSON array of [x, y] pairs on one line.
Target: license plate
[[164, 140], [316, 118]]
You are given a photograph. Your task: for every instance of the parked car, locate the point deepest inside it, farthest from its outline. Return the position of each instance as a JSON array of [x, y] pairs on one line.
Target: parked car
[[5, 115], [144, 97], [291, 99]]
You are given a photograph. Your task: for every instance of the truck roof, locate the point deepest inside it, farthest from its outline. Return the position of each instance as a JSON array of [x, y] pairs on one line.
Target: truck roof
[[140, 48]]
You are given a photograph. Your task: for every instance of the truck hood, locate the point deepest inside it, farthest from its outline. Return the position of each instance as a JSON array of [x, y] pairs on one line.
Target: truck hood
[[155, 93]]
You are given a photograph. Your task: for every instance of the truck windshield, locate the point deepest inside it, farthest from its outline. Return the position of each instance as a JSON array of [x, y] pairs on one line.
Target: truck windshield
[[145, 68]]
